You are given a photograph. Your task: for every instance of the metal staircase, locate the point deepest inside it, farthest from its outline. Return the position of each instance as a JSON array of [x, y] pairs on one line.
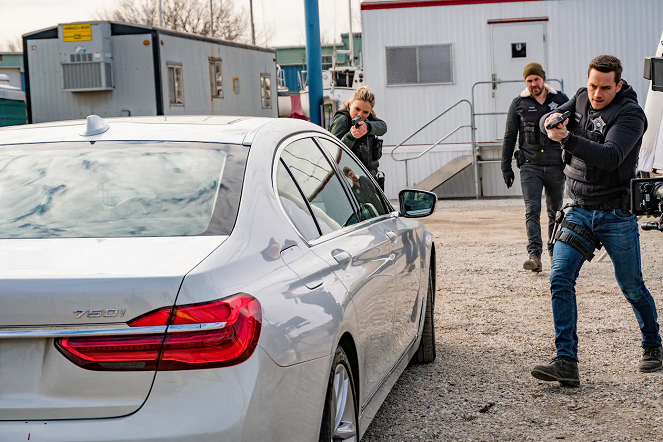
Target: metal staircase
[[481, 154]]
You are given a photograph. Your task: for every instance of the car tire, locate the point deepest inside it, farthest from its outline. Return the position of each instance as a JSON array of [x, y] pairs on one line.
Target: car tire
[[426, 352], [340, 418]]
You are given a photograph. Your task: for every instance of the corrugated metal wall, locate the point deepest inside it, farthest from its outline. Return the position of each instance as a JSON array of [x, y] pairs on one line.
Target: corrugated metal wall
[[291, 77], [11, 63], [296, 55], [245, 64], [135, 91], [14, 74], [577, 31], [134, 83]]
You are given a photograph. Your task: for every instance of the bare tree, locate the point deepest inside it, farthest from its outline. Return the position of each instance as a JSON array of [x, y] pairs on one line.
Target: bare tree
[[264, 36], [191, 16], [15, 45]]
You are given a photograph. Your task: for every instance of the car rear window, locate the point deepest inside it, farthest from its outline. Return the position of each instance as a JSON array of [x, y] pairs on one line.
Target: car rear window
[[119, 189]]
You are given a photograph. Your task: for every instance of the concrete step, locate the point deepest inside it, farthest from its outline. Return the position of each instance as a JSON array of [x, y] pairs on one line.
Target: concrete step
[[444, 174]]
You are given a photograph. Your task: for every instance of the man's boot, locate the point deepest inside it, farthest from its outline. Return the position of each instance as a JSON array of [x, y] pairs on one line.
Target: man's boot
[[651, 359], [562, 369], [533, 264]]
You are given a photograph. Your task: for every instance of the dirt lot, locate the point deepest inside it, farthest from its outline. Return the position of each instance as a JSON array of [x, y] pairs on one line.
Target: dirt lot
[[494, 322]]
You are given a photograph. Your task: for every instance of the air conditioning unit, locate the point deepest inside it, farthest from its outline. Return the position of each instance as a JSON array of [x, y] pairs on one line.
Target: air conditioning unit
[[86, 56]]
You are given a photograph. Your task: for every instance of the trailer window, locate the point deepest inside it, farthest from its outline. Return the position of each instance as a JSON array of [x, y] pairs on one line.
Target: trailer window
[[266, 90], [215, 78], [175, 85], [431, 64]]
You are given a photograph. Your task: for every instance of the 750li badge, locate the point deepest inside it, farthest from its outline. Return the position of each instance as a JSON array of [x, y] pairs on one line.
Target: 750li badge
[[104, 313]]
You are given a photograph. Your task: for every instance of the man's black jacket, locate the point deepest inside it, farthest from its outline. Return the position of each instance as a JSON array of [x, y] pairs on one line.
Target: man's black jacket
[[522, 122], [601, 152]]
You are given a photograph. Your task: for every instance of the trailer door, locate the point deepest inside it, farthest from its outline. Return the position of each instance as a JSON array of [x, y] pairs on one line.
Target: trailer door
[[515, 43]]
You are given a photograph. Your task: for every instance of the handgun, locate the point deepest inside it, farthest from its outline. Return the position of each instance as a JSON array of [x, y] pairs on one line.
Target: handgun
[[560, 119], [355, 121]]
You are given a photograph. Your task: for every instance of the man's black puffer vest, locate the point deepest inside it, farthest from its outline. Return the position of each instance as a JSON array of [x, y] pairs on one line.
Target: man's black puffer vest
[[536, 146], [602, 150]]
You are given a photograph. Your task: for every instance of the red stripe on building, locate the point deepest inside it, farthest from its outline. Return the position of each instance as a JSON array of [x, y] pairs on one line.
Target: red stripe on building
[[516, 20], [424, 3]]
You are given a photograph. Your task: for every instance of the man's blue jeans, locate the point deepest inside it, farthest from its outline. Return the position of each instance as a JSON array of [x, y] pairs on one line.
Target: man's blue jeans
[[618, 231]]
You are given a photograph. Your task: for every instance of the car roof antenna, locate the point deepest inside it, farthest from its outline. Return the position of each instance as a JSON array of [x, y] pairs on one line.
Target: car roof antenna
[[95, 126]]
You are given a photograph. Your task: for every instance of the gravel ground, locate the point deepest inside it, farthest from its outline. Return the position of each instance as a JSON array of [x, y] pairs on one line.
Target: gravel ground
[[494, 322]]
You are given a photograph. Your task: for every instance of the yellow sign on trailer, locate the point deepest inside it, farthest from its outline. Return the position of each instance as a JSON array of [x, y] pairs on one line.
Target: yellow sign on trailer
[[80, 32]]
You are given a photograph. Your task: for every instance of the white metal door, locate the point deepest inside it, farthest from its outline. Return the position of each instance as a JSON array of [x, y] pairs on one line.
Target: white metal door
[[513, 46]]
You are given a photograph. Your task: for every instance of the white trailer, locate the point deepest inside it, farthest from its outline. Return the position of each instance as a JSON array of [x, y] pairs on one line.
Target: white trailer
[[651, 154], [423, 56], [115, 69]]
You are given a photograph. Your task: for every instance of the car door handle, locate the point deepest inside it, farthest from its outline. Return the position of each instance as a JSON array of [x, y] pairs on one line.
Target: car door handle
[[341, 256], [391, 235]]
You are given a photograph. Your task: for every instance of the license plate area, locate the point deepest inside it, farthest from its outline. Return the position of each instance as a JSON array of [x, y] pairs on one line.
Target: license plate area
[[39, 383]]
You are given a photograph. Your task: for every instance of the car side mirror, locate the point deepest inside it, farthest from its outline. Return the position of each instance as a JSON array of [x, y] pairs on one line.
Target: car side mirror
[[416, 203]]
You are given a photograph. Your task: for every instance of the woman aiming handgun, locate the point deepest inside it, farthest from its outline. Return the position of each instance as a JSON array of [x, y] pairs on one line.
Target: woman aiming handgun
[[356, 125]]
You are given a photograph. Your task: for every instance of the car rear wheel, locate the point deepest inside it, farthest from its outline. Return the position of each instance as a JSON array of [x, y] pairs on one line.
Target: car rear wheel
[[426, 352], [339, 419]]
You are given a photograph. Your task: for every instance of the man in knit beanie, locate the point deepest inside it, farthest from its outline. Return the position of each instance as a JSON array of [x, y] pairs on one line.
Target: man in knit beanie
[[539, 158], [534, 68]]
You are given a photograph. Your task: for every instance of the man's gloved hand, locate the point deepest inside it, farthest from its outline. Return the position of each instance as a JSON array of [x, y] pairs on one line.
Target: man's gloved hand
[[508, 178]]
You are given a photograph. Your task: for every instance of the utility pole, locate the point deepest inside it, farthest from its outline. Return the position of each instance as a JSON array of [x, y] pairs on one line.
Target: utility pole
[[351, 57], [160, 15], [211, 18], [313, 59], [253, 30]]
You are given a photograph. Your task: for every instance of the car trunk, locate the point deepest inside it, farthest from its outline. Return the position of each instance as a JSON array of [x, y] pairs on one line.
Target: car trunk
[[51, 285]]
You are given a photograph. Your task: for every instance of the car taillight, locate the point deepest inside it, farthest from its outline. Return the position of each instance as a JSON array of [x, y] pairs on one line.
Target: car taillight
[[221, 347], [207, 335]]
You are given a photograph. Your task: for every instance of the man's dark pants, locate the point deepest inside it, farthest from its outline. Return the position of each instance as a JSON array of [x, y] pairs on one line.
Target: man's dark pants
[[533, 179]]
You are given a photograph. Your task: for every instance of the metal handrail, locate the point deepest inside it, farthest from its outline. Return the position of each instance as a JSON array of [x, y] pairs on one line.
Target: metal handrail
[[434, 144], [407, 175], [496, 82], [472, 126], [475, 153], [428, 124]]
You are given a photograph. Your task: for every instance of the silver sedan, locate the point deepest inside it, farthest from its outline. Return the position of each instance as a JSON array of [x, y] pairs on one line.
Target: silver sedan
[[202, 278]]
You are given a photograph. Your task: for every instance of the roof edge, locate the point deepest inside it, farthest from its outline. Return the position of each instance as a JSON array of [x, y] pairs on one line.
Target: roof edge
[[400, 4], [44, 33], [213, 40], [131, 28]]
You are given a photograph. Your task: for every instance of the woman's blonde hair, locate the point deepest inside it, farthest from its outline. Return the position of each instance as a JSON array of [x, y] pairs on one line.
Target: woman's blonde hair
[[363, 94]]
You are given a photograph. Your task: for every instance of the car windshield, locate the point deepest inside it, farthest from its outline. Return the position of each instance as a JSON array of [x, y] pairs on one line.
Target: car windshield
[[119, 189]]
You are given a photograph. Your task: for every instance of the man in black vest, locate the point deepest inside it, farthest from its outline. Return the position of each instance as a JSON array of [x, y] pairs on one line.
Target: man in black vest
[[601, 142], [539, 158]]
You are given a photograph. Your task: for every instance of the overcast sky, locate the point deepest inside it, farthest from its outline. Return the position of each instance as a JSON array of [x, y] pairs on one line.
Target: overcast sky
[[284, 19]]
